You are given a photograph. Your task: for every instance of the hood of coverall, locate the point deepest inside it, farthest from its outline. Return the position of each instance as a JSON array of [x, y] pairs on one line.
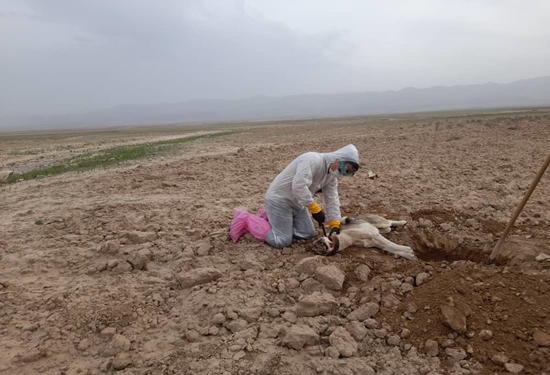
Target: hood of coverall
[[346, 153]]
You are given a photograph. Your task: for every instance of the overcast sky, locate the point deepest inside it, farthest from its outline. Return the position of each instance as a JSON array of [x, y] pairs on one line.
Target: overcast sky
[[73, 55]]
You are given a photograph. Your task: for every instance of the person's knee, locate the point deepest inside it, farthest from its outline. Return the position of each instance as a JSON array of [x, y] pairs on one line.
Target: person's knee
[[278, 242], [312, 233], [305, 236], [283, 243], [305, 232]]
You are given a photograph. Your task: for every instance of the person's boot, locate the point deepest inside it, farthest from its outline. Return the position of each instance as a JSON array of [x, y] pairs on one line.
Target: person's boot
[[239, 224], [258, 227]]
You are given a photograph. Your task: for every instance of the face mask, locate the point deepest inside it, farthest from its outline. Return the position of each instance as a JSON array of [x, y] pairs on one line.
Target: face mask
[[344, 170]]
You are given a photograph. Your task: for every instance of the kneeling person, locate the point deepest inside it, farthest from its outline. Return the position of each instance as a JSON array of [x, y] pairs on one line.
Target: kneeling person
[[289, 199]]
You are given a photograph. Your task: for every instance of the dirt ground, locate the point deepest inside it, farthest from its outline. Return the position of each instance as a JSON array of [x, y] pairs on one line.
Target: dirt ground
[[132, 270]]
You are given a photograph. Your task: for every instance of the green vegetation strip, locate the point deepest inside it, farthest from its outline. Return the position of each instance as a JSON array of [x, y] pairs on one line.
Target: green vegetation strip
[[112, 156]]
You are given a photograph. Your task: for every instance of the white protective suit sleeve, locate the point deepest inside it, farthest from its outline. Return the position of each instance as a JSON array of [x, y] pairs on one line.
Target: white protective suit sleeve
[[331, 201], [303, 178]]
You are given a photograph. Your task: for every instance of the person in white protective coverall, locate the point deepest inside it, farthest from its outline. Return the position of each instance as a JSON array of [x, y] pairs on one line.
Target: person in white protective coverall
[[289, 198]]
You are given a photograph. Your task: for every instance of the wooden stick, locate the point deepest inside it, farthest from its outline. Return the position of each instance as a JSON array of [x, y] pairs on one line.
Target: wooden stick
[[498, 246]]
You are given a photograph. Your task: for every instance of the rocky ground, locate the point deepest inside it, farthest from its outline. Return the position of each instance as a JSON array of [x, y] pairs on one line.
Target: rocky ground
[[131, 270]]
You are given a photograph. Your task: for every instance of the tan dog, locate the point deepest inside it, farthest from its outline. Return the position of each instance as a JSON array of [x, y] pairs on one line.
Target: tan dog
[[363, 231]]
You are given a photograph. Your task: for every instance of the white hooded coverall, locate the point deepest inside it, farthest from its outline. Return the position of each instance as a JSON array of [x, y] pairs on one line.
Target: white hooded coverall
[[290, 193]]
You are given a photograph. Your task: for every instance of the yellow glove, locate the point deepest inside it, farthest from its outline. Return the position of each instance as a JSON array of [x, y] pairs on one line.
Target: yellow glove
[[317, 213], [334, 226], [314, 208]]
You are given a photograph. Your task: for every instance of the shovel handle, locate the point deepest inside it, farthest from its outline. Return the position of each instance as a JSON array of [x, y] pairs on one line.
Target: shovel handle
[[324, 230]]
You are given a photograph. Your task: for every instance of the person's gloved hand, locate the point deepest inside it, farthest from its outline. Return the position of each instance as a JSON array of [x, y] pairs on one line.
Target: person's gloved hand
[[319, 217], [334, 226], [317, 213]]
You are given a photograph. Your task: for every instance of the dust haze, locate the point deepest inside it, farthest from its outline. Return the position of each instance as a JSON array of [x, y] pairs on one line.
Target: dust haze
[[66, 58]]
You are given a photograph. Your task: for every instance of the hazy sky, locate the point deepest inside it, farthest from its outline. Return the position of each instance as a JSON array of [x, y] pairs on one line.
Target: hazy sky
[[72, 55]]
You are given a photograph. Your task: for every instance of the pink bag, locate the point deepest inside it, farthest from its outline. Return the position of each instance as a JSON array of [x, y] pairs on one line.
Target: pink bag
[[261, 213], [238, 224], [243, 221], [258, 227]]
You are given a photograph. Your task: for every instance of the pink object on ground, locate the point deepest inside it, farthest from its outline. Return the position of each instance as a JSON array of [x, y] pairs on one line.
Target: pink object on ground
[[262, 214], [258, 227], [238, 224]]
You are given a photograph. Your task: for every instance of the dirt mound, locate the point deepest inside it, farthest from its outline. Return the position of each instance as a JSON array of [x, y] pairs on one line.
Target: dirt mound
[[510, 305]]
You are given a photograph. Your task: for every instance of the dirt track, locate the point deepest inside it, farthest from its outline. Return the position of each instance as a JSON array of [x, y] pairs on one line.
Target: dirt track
[[104, 283]]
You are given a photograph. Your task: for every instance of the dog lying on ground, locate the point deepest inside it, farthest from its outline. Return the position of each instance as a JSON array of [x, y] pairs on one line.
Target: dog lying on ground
[[363, 231]]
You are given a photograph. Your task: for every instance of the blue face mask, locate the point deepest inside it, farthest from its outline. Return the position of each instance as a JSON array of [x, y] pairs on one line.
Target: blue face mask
[[344, 171]]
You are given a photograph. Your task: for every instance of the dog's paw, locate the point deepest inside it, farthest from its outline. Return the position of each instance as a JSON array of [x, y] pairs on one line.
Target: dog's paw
[[408, 254]]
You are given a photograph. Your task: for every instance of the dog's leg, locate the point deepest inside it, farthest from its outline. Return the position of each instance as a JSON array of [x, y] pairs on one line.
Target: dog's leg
[[383, 243], [398, 223], [383, 224]]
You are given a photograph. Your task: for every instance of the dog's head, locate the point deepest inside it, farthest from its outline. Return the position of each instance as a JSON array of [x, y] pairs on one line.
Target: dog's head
[[326, 245]]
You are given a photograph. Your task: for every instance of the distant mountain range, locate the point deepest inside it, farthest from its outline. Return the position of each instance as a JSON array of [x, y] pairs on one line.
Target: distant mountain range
[[524, 93]]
